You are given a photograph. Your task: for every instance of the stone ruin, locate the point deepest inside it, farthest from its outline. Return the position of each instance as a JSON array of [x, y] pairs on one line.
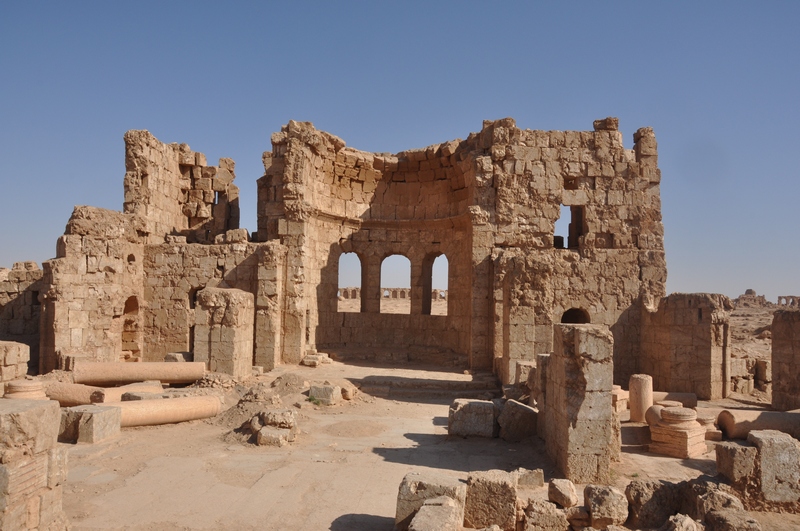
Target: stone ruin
[[125, 285], [173, 276]]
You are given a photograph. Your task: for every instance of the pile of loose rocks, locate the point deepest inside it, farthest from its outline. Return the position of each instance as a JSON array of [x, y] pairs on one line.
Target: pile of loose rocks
[[496, 500]]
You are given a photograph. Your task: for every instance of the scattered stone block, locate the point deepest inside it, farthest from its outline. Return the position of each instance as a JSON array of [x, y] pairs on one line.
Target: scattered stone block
[[272, 436], [606, 505], [32, 466], [179, 356], [28, 426], [578, 516], [652, 502], [327, 393], [517, 421], [491, 499], [779, 465], [736, 460], [417, 487], [523, 371], [562, 492], [545, 516], [529, 479], [468, 417], [731, 520], [680, 522], [315, 360], [438, 514], [716, 499], [89, 424]]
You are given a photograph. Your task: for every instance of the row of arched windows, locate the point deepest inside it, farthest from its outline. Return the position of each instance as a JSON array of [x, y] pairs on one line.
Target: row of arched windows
[[396, 288]]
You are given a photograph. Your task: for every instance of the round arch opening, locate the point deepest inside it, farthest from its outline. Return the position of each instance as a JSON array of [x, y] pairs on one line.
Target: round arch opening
[[576, 316]]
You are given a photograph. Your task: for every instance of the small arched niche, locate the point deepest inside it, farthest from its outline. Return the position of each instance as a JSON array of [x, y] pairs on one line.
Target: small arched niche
[[576, 316]]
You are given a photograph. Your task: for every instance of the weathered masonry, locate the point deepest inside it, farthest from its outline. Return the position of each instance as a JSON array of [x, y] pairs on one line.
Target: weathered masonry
[[128, 285]]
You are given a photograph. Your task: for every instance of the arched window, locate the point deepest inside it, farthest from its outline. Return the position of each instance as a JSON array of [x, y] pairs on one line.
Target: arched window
[[395, 275], [576, 316], [435, 278], [349, 283]]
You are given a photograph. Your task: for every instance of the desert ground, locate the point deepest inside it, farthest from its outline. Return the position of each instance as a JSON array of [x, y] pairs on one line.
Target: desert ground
[[343, 471]]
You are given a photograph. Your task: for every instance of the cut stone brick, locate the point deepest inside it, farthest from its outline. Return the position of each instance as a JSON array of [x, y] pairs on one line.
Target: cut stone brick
[[562, 492], [89, 424], [417, 487], [491, 499], [469, 417], [326, 393], [779, 465], [438, 514], [607, 506]]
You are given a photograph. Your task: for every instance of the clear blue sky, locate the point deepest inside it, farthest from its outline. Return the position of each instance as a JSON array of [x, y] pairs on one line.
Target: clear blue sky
[[719, 82]]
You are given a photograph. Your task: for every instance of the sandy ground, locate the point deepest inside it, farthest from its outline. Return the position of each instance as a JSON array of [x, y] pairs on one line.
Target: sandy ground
[[341, 474], [438, 307]]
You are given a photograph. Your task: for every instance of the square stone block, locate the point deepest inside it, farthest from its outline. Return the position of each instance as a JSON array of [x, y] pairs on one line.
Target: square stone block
[[29, 426], [89, 424], [417, 487]]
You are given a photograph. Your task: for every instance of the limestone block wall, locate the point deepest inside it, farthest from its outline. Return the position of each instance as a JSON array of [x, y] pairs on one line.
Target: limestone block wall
[[175, 273], [685, 344], [175, 191], [13, 361], [490, 204], [223, 334], [20, 307], [92, 290], [322, 199], [579, 418], [33, 467], [785, 360], [614, 250]]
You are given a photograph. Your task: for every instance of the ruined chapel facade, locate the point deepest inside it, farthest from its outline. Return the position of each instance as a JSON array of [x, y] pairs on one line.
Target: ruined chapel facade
[[130, 284]]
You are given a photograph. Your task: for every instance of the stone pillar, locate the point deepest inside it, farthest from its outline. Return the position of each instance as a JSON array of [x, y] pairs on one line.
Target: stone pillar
[[33, 466], [785, 360], [371, 284], [223, 334], [640, 398], [580, 419], [539, 390]]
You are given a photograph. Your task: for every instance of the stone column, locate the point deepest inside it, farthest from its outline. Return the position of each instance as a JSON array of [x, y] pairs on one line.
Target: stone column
[[640, 387], [580, 434]]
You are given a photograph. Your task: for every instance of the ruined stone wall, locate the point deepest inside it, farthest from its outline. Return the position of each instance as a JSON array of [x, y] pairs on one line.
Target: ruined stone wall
[[686, 344], [785, 360], [20, 307], [490, 204], [223, 333], [93, 290], [323, 199], [612, 256], [174, 273], [176, 192]]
